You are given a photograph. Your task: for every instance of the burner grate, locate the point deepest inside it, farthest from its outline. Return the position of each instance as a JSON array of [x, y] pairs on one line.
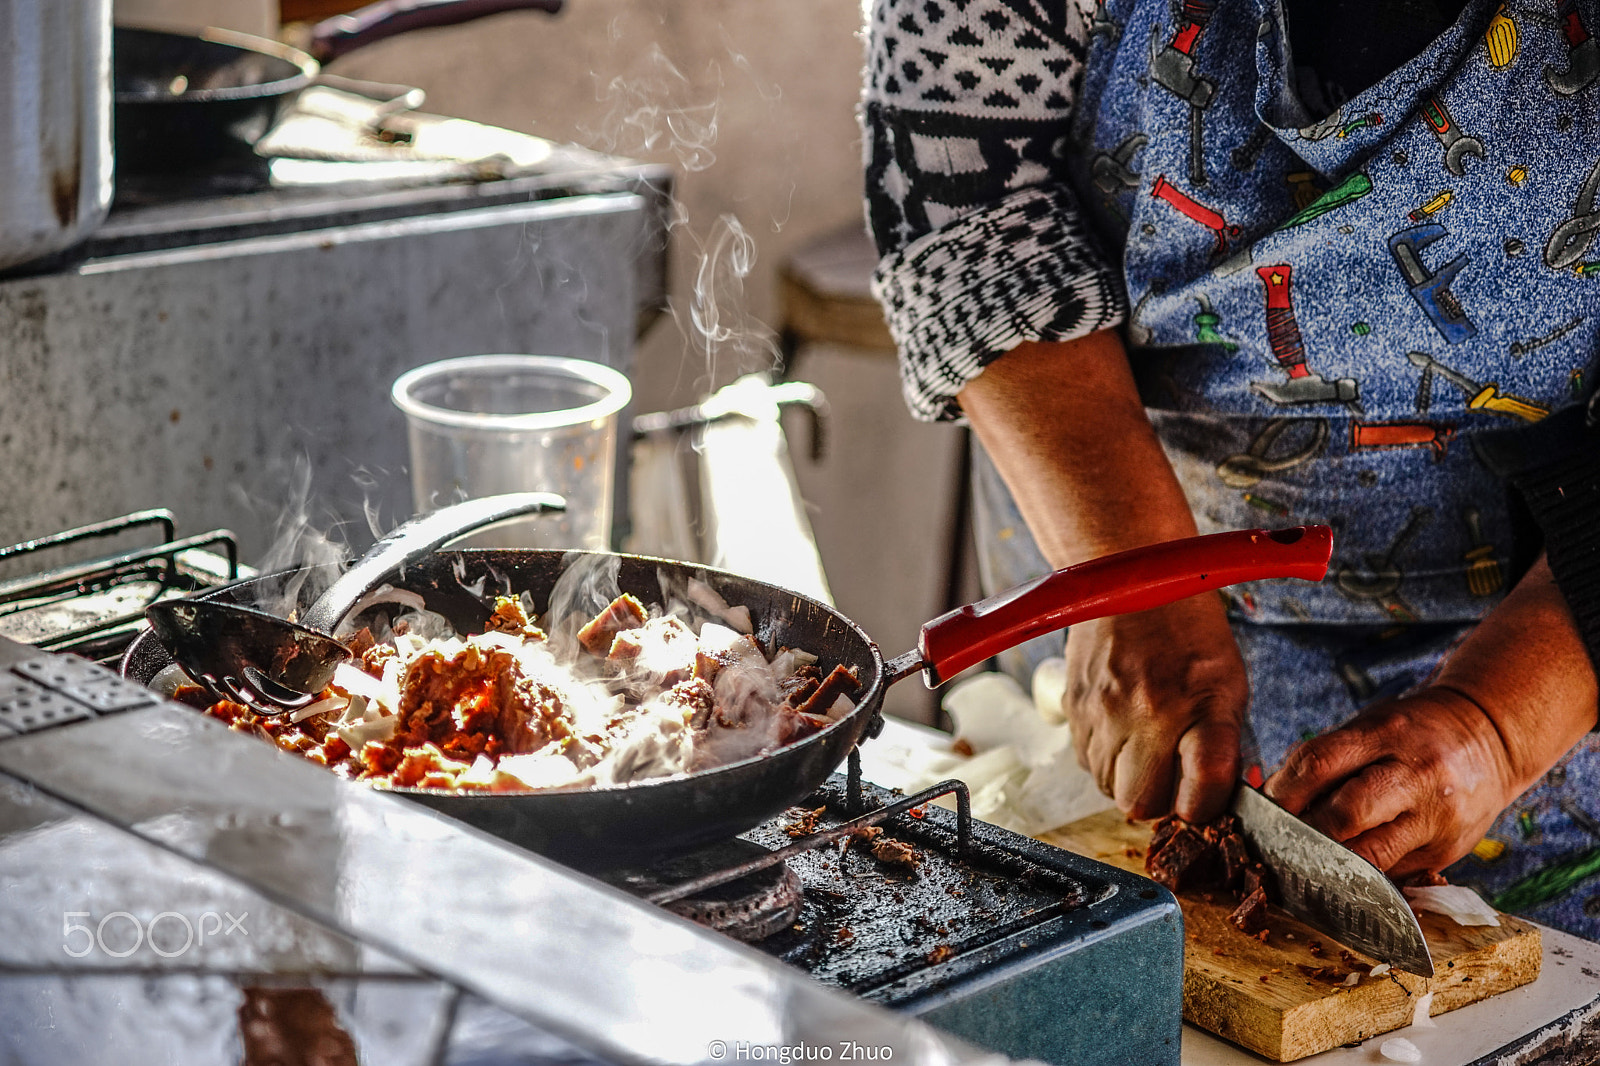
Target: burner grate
[[94, 606]]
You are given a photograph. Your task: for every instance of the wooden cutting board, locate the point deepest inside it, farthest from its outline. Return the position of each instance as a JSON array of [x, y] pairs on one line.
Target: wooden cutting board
[[1259, 994]]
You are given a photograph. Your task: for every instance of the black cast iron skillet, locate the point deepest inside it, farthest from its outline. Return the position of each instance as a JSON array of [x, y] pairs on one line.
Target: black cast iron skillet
[[182, 101], [648, 818]]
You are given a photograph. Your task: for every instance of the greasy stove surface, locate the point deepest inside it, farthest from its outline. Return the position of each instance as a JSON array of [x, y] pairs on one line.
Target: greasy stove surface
[[866, 924], [989, 943]]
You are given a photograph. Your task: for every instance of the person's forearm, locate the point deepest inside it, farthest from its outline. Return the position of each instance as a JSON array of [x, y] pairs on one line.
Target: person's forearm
[[1065, 428], [1527, 667]]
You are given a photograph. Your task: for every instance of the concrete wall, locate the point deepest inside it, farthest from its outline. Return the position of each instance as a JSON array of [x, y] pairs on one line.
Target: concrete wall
[[753, 101]]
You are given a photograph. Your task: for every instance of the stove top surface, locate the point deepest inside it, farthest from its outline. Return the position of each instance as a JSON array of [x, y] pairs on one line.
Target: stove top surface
[[867, 922]]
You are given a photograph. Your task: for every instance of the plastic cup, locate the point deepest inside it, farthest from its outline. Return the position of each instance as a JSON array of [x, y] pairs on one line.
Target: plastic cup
[[487, 424]]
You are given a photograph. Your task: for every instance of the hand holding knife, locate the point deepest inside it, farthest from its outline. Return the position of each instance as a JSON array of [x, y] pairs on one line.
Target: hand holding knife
[[1330, 887]]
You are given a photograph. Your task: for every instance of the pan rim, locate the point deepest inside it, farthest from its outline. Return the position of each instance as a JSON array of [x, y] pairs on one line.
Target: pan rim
[[309, 68]]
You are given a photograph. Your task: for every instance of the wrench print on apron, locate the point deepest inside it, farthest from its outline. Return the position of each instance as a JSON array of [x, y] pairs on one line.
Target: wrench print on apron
[[1326, 312]]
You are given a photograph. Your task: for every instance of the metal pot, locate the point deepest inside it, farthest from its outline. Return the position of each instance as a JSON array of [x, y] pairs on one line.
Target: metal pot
[[184, 100], [55, 125]]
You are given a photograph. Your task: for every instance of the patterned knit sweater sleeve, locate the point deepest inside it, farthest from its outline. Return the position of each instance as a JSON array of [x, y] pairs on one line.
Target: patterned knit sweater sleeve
[[966, 111]]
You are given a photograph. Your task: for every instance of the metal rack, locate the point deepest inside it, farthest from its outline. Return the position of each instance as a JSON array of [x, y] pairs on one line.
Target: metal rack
[[93, 607]]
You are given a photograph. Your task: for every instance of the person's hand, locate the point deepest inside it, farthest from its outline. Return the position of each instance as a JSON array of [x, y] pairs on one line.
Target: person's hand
[[1155, 700], [1410, 785]]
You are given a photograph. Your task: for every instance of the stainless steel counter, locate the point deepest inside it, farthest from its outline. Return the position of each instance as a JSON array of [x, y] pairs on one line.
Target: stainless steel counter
[[231, 357], [415, 932]]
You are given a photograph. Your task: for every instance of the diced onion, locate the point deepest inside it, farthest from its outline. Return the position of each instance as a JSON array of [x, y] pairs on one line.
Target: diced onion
[[381, 594], [1420, 1012], [1399, 1049], [327, 706], [1457, 901], [1379, 970], [481, 773], [354, 681], [360, 733]]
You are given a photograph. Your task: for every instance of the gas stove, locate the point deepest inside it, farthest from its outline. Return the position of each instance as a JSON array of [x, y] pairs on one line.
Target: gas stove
[[925, 910], [860, 896]]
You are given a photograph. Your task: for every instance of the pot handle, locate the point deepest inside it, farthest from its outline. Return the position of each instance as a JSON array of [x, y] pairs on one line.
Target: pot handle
[[1128, 581], [333, 37], [411, 541]]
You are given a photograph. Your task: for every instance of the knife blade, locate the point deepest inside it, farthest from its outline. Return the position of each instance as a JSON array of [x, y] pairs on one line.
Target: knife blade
[[1330, 887]]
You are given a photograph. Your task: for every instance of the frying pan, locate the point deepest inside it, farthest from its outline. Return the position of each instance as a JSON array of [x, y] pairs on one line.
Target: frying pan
[[181, 100], [644, 819]]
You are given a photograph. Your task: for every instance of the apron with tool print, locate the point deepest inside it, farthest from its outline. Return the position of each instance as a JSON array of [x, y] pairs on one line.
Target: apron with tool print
[[1325, 314]]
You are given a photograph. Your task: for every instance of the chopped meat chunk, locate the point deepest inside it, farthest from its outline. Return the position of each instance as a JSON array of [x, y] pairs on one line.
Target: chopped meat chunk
[[509, 617], [840, 680], [1185, 861], [894, 852], [1235, 859], [1250, 916], [797, 686], [1163, 832], [620, 615], [1255, 876], [664, 648]]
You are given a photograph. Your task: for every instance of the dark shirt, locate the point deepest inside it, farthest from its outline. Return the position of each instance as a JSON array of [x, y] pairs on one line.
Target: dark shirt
[[1342, 48]]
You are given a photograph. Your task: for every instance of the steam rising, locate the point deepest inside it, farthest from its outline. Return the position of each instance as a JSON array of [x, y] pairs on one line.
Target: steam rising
[[305, 554], [716, 313], [660, 111]]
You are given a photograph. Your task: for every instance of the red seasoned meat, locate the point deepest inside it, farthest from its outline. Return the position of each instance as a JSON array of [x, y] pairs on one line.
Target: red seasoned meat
[[475, 698]]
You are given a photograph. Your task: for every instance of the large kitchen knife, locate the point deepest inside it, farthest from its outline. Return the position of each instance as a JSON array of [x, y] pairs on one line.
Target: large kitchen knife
[[1330, 887]]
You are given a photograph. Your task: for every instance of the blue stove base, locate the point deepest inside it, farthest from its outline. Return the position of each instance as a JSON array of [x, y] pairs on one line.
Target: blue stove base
[[1101, 985]]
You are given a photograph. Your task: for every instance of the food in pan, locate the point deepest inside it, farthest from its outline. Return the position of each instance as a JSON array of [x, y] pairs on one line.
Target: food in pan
[[634, 693]]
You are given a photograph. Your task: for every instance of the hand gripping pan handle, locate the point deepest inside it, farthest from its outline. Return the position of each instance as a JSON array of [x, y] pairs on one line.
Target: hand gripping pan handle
[[1129, 581]]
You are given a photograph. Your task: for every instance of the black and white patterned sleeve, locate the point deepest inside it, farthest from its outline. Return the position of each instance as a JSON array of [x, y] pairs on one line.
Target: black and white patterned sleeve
[[966, 111]]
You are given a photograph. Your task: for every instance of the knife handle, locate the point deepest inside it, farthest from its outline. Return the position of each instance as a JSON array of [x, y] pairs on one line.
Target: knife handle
[[1129, 581]]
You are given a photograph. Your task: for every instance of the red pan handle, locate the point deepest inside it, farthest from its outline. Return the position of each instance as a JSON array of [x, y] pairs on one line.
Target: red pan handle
[[1123, 583], [332, 38]]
